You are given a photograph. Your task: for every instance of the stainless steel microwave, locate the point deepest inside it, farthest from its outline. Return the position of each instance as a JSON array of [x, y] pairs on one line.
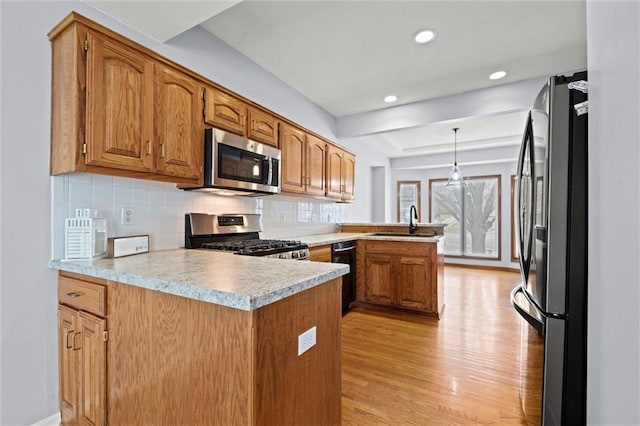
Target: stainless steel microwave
[[239, 166]]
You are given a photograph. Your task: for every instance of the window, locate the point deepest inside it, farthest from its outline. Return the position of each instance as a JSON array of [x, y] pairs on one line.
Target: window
[[471, 213], [408, 195]]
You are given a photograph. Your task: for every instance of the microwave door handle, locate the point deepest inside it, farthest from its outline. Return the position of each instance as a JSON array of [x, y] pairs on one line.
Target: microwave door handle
[[270, 173]]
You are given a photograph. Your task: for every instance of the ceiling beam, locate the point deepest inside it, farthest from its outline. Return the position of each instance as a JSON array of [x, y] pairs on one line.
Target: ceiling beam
[[501, 99]]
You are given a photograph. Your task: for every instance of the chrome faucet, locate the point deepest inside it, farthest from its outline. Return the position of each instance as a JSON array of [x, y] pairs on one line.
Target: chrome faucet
[[413, 215]]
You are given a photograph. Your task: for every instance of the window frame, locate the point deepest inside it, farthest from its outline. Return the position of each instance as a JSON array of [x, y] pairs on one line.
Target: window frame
[[498, 257], [417, 203]]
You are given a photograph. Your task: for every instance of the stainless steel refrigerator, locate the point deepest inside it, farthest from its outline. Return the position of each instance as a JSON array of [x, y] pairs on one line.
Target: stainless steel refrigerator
[[551, 237]]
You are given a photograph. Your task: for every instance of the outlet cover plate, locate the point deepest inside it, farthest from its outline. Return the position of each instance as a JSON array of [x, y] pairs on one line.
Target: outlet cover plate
[[127, 215], [306, 340]]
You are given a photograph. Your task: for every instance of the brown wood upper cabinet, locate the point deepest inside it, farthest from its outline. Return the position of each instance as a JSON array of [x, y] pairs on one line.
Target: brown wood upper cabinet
[[116, 110], [119, 105], [224, 111], [340, 174], [178, 132], [303, 161], [262, 127], [227, 112]]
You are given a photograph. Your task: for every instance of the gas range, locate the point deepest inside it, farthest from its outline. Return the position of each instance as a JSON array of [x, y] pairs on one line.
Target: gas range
[[238, 233]]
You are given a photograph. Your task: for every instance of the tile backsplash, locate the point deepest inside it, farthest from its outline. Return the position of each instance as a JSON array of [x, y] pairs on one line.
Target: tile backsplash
[[159, 209]]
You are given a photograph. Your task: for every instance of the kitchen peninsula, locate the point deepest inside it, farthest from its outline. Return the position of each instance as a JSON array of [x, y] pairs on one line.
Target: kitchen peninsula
[[199, 337], [394, 268]]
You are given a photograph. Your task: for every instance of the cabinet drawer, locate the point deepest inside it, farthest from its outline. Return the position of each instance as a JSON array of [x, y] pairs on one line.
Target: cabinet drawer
[[83, 295]]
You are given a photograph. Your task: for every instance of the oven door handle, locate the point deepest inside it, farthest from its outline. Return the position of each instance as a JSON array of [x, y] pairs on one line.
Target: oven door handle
[[344, 249]]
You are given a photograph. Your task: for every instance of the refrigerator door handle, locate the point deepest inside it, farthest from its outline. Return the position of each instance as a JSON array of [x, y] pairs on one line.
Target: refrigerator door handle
[[536, 323], [525, 258], [538, 308]]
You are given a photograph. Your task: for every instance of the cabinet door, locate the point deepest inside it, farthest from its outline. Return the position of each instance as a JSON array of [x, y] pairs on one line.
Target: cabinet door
[[335, 171], [224, 111], [379, 284], [414, 283], [179, 135], [316, 170], [320, 253], [292, 145], [119, 106], [262, 127], [348, 189], [67, 364], [92, 370]]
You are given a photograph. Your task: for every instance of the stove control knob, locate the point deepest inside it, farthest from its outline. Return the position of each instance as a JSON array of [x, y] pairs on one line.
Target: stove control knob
[[295, 255], [282, 256]]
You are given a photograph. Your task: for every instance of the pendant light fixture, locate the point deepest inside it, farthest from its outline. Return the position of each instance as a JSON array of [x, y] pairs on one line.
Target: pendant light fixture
[[455, 177]]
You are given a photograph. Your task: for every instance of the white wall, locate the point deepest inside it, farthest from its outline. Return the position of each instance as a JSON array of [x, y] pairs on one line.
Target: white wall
[[30, 197], [378, 193], [368, 195], [159, 209], [613, 51]]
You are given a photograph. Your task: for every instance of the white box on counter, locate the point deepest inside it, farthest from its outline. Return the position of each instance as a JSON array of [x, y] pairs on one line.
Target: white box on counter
[[126, 246]]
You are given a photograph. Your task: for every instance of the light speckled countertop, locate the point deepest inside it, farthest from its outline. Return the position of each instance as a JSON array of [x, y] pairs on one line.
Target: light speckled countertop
[[322, 239], [439, 225], [242, 282]]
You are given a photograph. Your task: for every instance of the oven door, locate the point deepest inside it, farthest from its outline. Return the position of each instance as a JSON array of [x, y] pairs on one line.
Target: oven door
[[238, 163]]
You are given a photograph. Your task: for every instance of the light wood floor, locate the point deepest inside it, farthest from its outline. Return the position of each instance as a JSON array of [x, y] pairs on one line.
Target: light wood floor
[[406, 369]]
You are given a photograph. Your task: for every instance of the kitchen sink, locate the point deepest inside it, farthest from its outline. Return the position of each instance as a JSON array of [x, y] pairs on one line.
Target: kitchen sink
[[398, 234]]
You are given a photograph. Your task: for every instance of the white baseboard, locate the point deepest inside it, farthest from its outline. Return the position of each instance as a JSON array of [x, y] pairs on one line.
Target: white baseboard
[[52, 420]]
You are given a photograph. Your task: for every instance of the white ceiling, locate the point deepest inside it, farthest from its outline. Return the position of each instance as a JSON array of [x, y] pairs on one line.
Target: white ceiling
[[474, 133], [346, 56]]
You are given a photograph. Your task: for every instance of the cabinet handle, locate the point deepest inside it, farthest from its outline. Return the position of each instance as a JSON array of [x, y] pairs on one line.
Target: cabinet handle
[[75, 348], [162, 150], [148, 147], [74, 294], [67, 345]]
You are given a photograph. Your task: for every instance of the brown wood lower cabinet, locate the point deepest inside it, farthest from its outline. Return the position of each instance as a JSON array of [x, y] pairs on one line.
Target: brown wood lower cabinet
[[82, 353], [320, 253], [400, 274], [172, 360]]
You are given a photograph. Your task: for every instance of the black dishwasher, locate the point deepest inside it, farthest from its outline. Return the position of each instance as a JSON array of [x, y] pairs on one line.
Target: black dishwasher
[[345, 252]]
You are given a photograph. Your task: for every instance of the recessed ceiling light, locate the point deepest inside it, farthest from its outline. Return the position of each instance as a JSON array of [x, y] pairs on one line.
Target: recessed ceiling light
[[424, 36], [497, 75], [390, 98]]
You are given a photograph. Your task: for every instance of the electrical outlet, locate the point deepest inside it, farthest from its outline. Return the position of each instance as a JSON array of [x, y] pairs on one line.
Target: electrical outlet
[[127, 215], [306, 340]]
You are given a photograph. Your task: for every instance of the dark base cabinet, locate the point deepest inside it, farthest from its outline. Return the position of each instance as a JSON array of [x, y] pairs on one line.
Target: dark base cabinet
[[345, 252]]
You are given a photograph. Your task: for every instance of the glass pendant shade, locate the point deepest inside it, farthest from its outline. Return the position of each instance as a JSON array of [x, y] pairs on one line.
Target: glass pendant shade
[[455, 176]]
